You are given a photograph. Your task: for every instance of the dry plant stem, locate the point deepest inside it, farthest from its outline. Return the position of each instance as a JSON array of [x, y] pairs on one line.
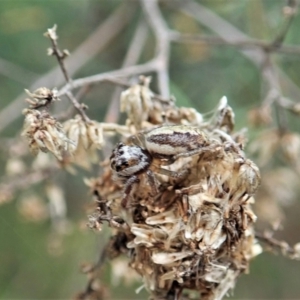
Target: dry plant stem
[[160, 29], [86, 51], [279, 39], [274, 46], [78, 106], [282, 246], [61, 60], [230, 34], [274, 94], [145, 68], [131, 58], [218, 41], [269, 73], [70, 111], [16, 73], [93, 273]]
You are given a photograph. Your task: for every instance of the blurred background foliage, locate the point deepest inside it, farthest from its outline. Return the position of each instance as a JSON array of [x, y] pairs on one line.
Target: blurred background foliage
[[36, 263]]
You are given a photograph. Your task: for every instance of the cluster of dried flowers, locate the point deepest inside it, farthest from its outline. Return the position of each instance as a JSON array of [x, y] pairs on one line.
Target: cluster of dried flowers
[[196, 233]]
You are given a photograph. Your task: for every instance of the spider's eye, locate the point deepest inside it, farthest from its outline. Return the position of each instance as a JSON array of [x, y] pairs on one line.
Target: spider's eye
[[118, 168]]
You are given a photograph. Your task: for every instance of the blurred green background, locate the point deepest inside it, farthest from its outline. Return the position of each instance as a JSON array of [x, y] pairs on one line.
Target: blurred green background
[[200, 75]]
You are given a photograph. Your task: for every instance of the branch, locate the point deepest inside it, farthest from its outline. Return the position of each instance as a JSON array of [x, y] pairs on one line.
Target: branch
[[160, 29], [230, 34], [85, 52], [282, 246], [219, 41], [274, 94], [145, 68], [16, 73], [132, 56], [292, 10], [158, 64], [60, 56]]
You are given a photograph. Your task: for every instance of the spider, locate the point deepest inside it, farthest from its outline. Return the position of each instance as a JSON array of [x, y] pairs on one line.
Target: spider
[[167, 143]]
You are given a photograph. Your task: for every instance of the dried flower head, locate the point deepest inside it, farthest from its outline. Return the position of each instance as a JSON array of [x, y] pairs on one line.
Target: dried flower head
[[41, 97], [190, 226], [87, 137], [45, 133], [137, 103]]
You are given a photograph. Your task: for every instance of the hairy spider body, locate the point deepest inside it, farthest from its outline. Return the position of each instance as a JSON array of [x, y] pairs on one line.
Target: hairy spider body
[[167, 143], [171, 141]]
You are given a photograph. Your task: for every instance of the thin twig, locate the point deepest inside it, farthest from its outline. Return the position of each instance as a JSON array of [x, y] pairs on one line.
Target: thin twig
[[16, 73], [274, 94], [131, 58], [85, 52], [230, 34], [60, 56], [78, 106], [282, 246], [160, 30], [270, 75], [218, 41], [148, 67], [279, 39]]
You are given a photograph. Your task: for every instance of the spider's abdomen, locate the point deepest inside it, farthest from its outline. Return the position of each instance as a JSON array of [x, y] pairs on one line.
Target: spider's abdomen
[[170, 140]]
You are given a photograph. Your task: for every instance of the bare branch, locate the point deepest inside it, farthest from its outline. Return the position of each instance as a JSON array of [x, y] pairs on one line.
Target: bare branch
[[231, 34], [96, 42], [274, 94], [282, 246], [218, 41], [16, 73], [132, 56], [160, 30], [145, 68], [292, 7], [51, 34]]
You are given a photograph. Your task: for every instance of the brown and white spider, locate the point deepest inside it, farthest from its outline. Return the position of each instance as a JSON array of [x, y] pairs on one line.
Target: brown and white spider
[[167, 143]]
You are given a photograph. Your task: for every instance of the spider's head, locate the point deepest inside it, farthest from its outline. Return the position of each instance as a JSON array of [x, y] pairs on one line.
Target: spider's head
[[129, 160]]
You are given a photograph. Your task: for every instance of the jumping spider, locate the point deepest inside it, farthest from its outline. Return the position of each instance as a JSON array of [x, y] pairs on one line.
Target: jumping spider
[[166, 143]]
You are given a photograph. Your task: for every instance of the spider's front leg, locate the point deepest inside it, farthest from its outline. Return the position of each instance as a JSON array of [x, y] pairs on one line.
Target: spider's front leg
[[151, 180], [128, 188]]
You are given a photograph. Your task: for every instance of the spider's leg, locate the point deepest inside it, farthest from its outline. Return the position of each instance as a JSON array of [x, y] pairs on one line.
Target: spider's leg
[[128, 188], [151, 180]]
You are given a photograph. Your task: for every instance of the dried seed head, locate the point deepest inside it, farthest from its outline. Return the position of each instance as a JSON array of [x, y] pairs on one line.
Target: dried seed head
[[87, 137], [136, 102], [41, 97], [44, 133], [195, 231]]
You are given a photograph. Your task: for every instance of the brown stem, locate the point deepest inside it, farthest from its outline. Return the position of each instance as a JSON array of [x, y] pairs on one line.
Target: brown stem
[[275, 244]]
